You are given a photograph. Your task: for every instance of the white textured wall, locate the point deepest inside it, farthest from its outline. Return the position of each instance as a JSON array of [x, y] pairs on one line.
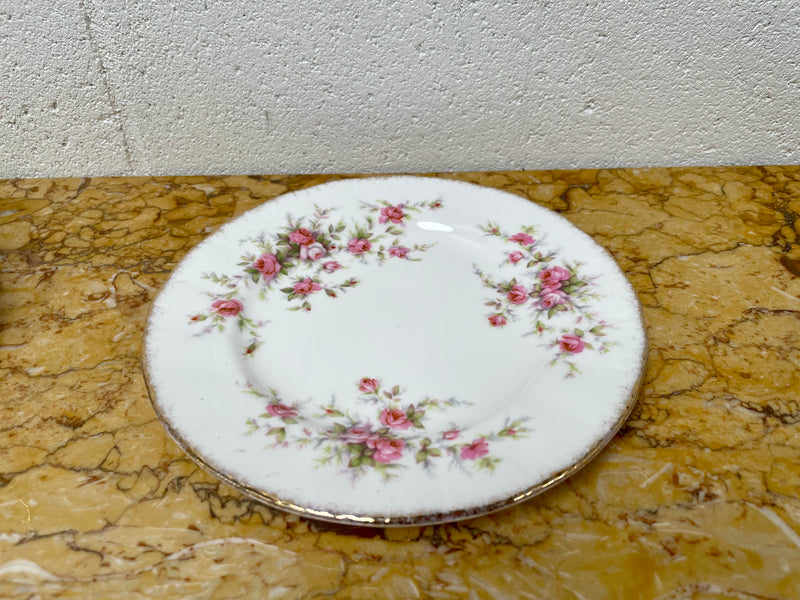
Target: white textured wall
[[112, 87]]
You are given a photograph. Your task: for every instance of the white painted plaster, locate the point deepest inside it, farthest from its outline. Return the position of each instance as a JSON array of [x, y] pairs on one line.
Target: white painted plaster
[[93, 87]]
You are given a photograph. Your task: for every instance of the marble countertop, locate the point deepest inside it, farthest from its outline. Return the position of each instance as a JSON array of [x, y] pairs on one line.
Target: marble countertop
[[697, 497]]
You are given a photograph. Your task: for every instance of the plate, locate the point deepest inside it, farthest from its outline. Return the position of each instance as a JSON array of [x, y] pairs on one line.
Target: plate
[[395, 351]]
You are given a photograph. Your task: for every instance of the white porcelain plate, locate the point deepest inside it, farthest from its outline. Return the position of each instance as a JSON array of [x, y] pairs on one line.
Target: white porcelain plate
[[395, 351]]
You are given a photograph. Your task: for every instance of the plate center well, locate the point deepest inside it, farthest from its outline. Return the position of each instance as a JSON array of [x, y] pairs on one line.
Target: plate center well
[[416, 326]]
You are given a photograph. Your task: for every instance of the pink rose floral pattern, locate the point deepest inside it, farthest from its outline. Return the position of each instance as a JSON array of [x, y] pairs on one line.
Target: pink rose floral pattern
[[387, 437], [301, 262], [541, 290]]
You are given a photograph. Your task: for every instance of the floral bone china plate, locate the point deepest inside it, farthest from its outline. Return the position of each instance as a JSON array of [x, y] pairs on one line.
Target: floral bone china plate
[[395, 351]]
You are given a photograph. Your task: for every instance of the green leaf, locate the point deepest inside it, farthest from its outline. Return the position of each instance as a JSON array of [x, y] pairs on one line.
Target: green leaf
[[290, 420], [435, 452], [421, 456], [287, 290], [410, 410], [425, 442], [255, 277], [418, 425], [488, 463], [396, 390], [281, 435], [578, 332], [355, 462], [552, 311]]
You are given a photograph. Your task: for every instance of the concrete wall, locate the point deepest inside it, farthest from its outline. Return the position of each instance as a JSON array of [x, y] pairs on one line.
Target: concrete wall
[[115, 87]]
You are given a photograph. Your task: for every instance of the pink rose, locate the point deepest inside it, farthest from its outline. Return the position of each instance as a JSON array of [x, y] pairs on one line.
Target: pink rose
[[301, 236], [312, 252], [522, 238], [497, 320], [518, 295], [386, 450], [306, 286], [268, 266], [552, 287], [399, 251], [451, 434], [550, 298], [394, 214], [367, 385], [551, 278], [515, 257], [478, 448], [571, 343], [331, 266], [359, 246], [394, 418], [281, 410], [356, 434], [227, 308]]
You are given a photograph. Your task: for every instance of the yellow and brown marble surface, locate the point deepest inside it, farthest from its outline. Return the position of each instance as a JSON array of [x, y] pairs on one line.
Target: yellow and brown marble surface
[[697, 497]]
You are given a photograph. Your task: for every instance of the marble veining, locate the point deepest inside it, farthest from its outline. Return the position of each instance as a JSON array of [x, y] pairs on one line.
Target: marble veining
[[697, 497]]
